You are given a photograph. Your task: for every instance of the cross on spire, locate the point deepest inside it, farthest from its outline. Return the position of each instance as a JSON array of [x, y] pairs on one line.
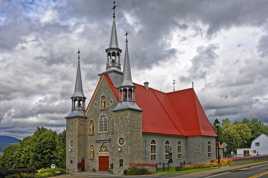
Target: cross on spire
[[78, 54], [126, 36], [114, 7]]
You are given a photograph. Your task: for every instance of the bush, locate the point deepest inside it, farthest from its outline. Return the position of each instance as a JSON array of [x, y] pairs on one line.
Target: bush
[[223, 162], [136, 171], [20, 175], [48, 172]]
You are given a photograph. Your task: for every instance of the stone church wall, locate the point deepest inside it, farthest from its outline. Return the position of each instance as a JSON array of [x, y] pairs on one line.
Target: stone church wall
[[193, 149], [197, 149], [160, 149]]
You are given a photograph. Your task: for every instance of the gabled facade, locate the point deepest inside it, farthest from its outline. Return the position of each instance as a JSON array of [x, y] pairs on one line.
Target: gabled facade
[[126, 124], [260, 145]]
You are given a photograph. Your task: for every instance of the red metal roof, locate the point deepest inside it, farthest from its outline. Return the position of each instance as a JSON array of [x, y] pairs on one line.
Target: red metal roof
[[175, 113]]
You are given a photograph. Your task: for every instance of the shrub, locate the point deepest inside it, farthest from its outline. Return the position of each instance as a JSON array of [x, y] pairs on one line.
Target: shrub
[[136, 171], [223, 162], [20, 175], [48, 172]]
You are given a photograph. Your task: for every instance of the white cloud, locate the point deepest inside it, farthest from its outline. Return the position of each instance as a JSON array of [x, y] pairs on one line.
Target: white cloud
[[49, 16]]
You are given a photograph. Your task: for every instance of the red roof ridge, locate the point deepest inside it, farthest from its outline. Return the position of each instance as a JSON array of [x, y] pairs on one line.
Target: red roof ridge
[[170, 105], [196, 101], [171, 92], [150, 88], [180, 91], [195, 109]]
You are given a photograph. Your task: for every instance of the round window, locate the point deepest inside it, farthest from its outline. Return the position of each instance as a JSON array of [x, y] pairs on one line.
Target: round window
[[121, 141]]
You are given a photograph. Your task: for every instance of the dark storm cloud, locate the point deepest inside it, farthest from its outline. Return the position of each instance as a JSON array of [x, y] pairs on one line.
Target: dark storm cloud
[[38, 56], [263, 46], [202, 62]]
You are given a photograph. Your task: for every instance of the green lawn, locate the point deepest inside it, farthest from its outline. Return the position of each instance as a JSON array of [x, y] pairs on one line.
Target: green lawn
[[173, 171]]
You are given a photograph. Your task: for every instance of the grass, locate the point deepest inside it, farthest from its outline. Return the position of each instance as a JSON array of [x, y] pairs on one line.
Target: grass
[[172, 171]]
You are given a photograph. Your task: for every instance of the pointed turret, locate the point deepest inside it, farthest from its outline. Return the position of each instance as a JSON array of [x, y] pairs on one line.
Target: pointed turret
[[113, 52], [127, 78], [78, 89], [113, 40], [127, 88], [78, 97]]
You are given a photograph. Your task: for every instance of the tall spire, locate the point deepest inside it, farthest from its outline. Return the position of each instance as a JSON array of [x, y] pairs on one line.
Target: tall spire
[[78, 89], [78, 97], [127, 78], [114, 40], [127, 88], [113, 51]]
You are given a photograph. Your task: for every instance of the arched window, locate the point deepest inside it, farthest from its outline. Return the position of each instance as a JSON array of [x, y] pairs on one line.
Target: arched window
[[168, 151], [209, 149], [113, 58], [91, 127], [130, 94], [121, 163], [124, 95], [153, 150], [103, 103], [179, 147], [103, 123], [92, 152]]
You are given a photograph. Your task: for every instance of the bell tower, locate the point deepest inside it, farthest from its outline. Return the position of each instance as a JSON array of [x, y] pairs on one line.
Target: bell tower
[[128, 123], [127, 88], [75, 127], [113, 53]]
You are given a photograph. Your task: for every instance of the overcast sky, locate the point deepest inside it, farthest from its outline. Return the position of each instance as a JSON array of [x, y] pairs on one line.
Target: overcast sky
[[220, 45]]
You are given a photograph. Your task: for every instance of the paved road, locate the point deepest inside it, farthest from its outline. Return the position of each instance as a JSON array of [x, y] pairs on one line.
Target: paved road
[[260, 171]]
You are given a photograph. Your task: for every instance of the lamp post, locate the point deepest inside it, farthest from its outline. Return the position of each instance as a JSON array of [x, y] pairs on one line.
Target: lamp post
[[217, 125]]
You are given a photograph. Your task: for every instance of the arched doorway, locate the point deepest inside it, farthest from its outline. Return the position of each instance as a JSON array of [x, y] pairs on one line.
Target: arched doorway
[[103, 158]]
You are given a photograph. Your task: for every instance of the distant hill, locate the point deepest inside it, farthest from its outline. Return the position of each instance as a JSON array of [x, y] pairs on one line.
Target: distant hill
[[5, 141]]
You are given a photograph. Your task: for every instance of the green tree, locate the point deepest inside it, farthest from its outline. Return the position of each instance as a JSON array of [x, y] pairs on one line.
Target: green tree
[[10, 156], [43, 148], [235, 135]]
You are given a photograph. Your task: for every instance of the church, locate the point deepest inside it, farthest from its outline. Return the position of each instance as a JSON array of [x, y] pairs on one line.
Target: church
[[127, 124]]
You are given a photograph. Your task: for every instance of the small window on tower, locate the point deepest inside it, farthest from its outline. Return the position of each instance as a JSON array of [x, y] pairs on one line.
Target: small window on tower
[[103, 103], [113, 58], [124, 95], [92, 152], [129, 94], [91, 127], [121, 163]]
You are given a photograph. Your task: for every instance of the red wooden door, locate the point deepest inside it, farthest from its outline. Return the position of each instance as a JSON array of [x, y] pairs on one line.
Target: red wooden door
[[103, 163]]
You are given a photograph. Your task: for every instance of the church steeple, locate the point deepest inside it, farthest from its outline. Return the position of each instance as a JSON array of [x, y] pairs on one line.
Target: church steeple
[[78, 97], [113, 40], [78, 89], [127, 88], [113, 52], [127, 78]]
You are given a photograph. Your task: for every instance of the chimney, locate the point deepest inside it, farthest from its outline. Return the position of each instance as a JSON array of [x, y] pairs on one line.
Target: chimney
[[146, 85]]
